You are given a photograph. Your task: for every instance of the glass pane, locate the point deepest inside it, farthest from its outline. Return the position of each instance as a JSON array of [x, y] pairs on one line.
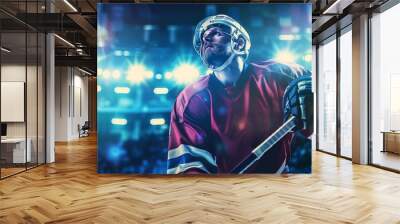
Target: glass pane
[[327, 97], [13, 85], [386, 89], [41, 99], [31, 97], [31, 86], [22, 79], [346, 94]]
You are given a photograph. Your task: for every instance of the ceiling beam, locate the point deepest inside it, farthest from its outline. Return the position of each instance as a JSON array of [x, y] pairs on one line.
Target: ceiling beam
[[86, 26], [337, 6], [82, 61]]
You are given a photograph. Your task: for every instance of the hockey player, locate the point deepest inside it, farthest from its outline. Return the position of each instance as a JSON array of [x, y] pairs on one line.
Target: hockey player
[[217, 121]]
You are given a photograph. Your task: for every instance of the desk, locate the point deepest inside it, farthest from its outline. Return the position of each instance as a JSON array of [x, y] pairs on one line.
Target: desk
[[16, 147], [391, 141]]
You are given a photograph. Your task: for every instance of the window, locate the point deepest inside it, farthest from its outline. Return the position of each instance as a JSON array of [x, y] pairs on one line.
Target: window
[[346, 94], [385, 89], [327, 97]]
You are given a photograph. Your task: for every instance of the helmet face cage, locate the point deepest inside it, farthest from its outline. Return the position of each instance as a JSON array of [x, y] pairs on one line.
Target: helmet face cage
[[236, 31]]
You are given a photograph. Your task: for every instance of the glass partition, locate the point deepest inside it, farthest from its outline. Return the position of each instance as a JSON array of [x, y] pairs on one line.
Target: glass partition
[[346, 93], [327, 96], [385, 89], [41, 109], [22, 78], [31, 97], [13, 105]]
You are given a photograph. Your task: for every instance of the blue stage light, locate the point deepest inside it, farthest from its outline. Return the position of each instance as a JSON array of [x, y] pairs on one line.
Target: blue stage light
[[160, 90], [119, 121], [157, 121], [122, 90], [118, 53], [158, 76], [115, 153]]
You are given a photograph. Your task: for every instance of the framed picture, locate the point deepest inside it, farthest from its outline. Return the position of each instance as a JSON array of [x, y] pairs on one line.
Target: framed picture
[[204, 88]]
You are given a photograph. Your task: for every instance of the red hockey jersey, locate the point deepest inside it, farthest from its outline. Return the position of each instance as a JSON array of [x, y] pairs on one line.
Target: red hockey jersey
[[214, 127]]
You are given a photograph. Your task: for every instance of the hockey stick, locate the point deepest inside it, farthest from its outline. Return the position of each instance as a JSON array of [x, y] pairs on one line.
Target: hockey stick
[[265, 146]]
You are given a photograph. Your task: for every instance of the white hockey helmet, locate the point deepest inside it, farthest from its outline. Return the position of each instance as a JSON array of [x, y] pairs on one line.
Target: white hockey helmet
[[236, 31]]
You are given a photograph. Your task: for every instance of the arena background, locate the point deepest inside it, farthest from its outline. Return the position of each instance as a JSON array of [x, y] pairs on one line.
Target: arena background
[[146, 57]]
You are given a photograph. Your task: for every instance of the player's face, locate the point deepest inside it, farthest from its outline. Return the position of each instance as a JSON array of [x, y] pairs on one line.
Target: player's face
[[215, 48]]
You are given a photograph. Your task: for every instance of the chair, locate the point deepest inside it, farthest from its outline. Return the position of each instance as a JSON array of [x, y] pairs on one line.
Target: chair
[[84, 130]]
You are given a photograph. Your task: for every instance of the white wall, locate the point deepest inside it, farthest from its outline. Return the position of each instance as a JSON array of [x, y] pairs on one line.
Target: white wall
[[71, 94], [16, 73], [62, 81], [33, 127], [9, 73], [13, 72]]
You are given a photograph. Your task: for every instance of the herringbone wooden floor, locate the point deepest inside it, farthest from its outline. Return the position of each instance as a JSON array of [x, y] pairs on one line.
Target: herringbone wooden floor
[[70, 191]]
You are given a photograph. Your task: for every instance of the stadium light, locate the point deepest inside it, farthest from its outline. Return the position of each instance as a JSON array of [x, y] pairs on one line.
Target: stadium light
[[118, 53], [158, 76], [138, 73], [289, 37], [106, 74], [160, 90], [149, 74], [307, 57], [285, 56], [119, 121], [157, 121], [186, 73], [122, 90], [168, 75], [116, 74]]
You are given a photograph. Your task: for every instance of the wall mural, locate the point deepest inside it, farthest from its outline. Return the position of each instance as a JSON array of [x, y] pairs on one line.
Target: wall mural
[[204, 88]]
